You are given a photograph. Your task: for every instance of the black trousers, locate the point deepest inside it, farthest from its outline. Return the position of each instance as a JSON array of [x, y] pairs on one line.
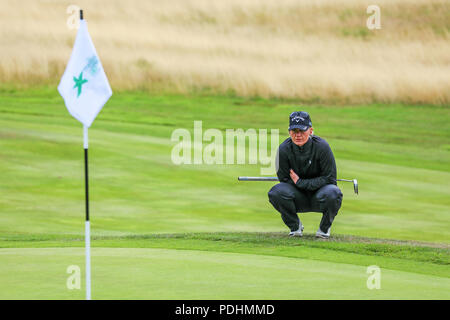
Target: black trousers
[[288, 200]]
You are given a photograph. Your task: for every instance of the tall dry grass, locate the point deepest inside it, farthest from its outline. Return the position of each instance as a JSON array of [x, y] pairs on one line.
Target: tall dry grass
[[317, 50]]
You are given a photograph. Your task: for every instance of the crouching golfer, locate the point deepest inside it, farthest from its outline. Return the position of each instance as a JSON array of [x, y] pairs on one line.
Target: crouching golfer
[[307, 174]]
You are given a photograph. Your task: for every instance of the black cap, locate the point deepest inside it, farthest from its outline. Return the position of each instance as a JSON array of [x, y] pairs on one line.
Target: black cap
[[299, 120]]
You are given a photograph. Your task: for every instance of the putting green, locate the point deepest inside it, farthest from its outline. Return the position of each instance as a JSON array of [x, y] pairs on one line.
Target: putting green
[[145, 273]]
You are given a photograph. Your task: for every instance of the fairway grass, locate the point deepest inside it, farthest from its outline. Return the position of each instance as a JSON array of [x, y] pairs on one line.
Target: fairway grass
[[162, 231], [401, 165]]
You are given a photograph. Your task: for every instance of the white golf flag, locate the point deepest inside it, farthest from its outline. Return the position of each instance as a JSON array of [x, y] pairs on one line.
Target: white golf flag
[[84, 86]]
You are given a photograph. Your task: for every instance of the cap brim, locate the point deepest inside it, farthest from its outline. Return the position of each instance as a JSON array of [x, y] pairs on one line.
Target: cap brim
[[297, 126]]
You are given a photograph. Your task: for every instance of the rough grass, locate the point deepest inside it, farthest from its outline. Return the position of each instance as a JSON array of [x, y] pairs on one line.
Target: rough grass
[[309, 50]]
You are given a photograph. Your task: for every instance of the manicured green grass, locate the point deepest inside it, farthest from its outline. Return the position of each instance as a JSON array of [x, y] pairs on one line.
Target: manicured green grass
[[409, 256], [226, 266], [136, 273], [401, 165], [140, 199]]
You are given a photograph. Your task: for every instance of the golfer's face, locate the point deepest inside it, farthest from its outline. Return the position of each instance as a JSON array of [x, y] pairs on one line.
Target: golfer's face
[[300, 137]]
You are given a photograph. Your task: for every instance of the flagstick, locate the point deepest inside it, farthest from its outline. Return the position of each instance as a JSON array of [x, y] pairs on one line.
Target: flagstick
[[87, 226], [87, 230], [96, 98]]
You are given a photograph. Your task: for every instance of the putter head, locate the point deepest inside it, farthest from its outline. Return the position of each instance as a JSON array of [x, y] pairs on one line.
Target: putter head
[[355, 185]]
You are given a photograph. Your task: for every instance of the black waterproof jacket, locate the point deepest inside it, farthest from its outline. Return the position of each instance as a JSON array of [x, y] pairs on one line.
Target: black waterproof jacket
[[313, 162]]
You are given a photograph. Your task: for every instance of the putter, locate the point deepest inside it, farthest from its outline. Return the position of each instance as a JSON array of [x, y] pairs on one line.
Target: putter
[[355, 182]]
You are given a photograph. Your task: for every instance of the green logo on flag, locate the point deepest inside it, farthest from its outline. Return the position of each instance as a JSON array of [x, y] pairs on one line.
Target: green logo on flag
[[79, 82], [92, 65]]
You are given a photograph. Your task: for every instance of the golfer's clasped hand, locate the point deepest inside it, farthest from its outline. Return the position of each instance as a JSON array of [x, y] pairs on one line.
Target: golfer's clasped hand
[[294, 176]]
